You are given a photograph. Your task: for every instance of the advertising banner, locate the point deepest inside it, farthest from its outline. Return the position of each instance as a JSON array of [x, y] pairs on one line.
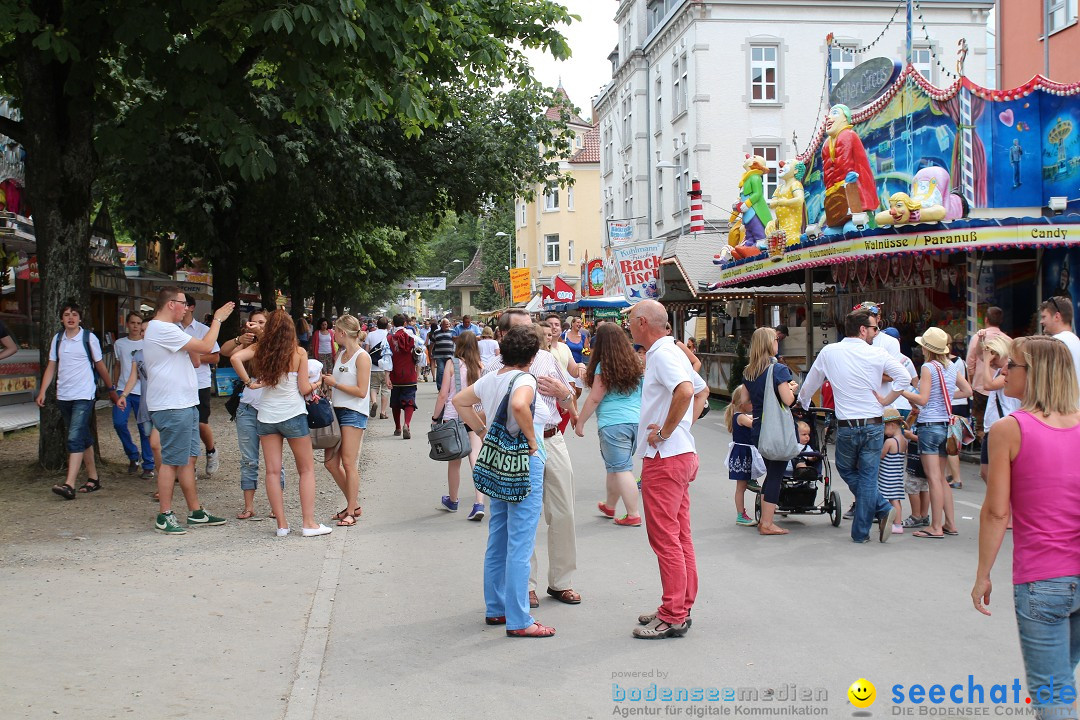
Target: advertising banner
[[638, 267], [594, 275], [424, 283], [519, 285], [620, 232]]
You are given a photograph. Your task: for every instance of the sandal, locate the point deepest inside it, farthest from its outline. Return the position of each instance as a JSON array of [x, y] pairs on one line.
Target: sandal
[[64, 490], [245, 514], [341, 515], [347, 521], [950, 532], [925, 535], [91, 485], [536, 630], [567, 596], [659, 629], [771, 530]]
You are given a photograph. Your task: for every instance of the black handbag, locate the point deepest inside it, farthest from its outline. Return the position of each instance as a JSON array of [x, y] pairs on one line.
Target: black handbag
[[320, 413], [233, 403]]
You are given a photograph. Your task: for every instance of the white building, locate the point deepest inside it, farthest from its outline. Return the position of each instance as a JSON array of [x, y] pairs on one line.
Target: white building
[[698, 83]]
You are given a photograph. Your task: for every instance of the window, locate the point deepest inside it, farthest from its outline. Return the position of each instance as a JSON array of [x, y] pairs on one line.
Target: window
[[570, 251], [764, 68], [607, 149], [570, 198], [628, 197], [656, 11], [771, 153], [522, 208], [1061, 13], [609, 206], [679, 86], [551, 249], [627, 120], [843, 61], [659, 194], [474, 298], [923, 62], [578, 141], [627, 34], [659, 103], [680, 201], [551, 199]]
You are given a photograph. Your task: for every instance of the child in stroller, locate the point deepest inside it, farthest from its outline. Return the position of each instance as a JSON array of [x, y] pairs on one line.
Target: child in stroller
[[799, 485]]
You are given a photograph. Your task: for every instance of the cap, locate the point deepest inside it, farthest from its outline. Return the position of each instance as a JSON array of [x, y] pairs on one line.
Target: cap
[[891, 415], [893, 332]]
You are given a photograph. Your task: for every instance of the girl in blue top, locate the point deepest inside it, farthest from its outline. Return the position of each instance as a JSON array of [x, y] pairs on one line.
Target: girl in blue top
[[744, 461], [616, 399]]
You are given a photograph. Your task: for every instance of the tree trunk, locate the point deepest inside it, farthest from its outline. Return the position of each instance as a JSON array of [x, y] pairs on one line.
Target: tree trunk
[[296, 290], [60, 168], [226, 267], [321, 304], [267, 288]]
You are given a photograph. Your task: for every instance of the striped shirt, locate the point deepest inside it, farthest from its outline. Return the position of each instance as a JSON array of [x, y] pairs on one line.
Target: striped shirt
[[442, 343], [544, 364]]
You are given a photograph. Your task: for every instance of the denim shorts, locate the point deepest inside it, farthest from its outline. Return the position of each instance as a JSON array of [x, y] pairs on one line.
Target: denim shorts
[[76, 414], [294, 427], [179, 434], [932, 439], [347, 417], [617, 444]]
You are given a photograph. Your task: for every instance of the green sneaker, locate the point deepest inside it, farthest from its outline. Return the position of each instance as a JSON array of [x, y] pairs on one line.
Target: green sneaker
[[166, 523], [753, 486], [745, 520], [201, 517]]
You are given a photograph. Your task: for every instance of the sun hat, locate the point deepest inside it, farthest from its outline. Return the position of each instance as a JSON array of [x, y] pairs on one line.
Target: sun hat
[[935, 340], [891, 415]]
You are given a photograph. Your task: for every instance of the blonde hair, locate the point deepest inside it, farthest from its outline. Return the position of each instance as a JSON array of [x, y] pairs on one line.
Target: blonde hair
[[999, 346], [542, 333], [760, 353], [348, 325], [932, 356], [800, 425], [906, 200], [487, 332], [1051, 384], [740, 397]]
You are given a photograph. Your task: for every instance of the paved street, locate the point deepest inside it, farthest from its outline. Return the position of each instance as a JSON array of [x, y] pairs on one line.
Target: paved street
[[103, 618]]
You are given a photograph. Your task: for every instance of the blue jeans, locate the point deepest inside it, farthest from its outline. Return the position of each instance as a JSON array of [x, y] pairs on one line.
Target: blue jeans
[[858, 454], [247, 437], [1048, 617], [294, 427], [179, 431], [76, 415], [120, 424], [511, 536], [440, 364]]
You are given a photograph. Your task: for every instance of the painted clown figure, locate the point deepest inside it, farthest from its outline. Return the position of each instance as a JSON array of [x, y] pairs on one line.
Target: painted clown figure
[[844, 161], [752, 202]]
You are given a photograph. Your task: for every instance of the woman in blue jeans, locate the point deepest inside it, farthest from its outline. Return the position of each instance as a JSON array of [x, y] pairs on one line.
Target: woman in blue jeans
[[512, 527], [1033, 472]]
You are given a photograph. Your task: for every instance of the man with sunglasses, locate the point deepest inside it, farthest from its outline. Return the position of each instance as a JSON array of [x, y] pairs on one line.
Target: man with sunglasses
[[856, 369], [882, 340], [1056, 316]]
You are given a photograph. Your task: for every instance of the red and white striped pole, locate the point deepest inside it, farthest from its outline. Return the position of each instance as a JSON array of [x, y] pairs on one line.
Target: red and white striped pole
[[697, 215]]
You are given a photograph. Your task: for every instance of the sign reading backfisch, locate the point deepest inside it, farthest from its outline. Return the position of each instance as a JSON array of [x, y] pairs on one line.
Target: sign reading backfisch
[[638, 266]]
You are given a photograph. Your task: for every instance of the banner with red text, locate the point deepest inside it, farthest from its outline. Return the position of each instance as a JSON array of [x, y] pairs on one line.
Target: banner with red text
[[638, 267]]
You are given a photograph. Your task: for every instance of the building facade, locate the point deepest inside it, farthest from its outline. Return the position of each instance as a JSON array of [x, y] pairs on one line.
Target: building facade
[[555, 231], [697, 84], [1022, 50]]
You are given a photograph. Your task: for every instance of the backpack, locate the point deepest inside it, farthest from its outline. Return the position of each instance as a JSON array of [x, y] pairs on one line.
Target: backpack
[[86, 347]]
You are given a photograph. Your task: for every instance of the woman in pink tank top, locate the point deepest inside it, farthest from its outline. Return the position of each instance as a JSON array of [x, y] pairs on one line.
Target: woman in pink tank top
[[1033, 470]]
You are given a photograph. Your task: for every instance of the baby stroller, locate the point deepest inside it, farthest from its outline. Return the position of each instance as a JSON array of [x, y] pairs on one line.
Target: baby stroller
[[799, 489]]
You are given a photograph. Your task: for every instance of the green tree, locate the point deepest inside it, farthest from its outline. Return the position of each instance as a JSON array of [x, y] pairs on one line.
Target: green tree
[[497, 256], [76, 65]]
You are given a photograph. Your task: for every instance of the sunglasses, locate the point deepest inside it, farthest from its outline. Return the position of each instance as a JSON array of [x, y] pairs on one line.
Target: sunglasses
[[1053, 301], [1012, 365], [875, 328]]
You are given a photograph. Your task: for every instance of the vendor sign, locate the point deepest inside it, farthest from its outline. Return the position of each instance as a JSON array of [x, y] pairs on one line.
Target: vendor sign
[[638, 266], [620, 232], [960, 236], [519, 285]]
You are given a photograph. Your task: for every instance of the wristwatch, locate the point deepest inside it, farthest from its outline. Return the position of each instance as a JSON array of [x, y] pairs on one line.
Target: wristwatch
[[569, 396]]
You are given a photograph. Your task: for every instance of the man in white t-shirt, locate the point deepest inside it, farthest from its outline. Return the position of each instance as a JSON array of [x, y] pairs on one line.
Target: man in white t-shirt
[[1056, 315], [203, 374], [172, 398], [124, 349], [672, 398], [380, 387], [74, 357]]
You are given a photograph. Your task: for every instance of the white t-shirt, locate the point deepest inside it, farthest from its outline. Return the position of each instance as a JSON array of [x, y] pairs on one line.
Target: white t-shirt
[[345, 374], [961, 371], [372, 341], [171, 383], [326, 343], [197, 330], [666, 367], [488, 350], [74, 373], [124, 348], [1073, 343], [491, 389]]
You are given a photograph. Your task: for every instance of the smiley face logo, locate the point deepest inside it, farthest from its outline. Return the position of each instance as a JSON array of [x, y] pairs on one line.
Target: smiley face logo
[[862, 693]]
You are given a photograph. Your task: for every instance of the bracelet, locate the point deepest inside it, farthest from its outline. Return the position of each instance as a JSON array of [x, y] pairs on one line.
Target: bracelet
[[660, 434]]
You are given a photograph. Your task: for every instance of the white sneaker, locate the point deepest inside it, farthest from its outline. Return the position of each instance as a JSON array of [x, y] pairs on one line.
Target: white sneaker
[[212, 462], [282, 532], [314, 532]]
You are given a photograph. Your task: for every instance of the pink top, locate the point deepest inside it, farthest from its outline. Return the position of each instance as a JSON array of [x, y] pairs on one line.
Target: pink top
[[1045, 502]]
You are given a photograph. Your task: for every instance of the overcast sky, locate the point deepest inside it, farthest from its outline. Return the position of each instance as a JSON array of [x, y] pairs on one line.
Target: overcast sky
[[591, 40]]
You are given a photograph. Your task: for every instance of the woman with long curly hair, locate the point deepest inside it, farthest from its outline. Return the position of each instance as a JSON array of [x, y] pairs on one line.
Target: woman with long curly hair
[[281, 368], [615, 397], [460, 373]]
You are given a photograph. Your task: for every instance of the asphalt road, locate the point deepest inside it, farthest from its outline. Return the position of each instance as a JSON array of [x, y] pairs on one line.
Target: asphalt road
[[102, 618]]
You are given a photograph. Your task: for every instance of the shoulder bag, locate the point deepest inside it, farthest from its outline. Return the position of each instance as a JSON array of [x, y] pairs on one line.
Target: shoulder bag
[[959, 430], [502, 468], [320, 413], [449, 440], [777, 439]]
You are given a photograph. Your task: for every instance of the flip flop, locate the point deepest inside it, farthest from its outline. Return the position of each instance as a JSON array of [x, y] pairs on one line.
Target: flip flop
[[950, 532], [245, 514], [922, 534]]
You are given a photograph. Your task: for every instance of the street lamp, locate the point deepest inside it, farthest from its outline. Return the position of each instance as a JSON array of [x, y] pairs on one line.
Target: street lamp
[[462, 264], [511, 246], [665, 165]]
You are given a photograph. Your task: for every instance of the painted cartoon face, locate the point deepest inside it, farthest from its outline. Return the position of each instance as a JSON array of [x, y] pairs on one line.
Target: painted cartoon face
[[899, 211], [835, 121]]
